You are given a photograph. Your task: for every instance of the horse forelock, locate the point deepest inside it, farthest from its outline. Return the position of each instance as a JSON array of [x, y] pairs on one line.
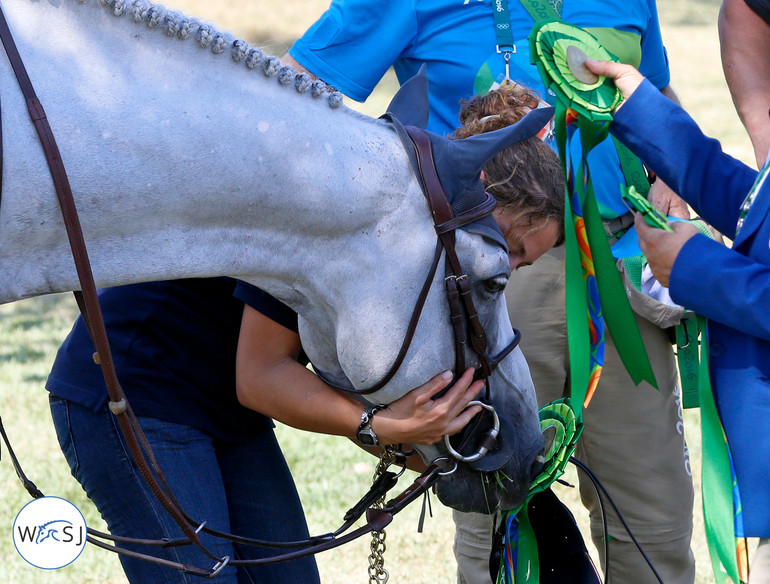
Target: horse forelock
[[178, 25]]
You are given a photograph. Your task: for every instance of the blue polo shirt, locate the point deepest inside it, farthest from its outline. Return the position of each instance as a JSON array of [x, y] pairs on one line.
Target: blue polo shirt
[[355, 42]]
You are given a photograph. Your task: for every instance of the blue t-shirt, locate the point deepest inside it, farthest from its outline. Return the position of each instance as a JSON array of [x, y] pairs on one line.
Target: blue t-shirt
[[271, 307], [354, 43], [174, 346]]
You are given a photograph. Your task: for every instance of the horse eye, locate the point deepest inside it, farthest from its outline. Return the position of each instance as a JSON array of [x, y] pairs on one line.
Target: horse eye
[[496, 284]]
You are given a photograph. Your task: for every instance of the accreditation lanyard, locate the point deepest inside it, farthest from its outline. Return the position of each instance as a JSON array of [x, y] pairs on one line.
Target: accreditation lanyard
[[749, 200], [506, 45]]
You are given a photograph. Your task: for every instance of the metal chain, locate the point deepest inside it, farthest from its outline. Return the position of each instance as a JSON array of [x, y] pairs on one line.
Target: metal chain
[[377, 572]]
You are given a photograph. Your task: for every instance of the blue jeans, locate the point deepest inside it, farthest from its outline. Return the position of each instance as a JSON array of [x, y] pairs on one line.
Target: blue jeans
[[242, 488]]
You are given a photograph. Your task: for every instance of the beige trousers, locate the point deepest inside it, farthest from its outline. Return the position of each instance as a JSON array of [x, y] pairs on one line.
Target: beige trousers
[[633, 441], [760, 565]]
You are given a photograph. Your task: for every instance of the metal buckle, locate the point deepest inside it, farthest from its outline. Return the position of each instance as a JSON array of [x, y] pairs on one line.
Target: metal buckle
[[218, 567]]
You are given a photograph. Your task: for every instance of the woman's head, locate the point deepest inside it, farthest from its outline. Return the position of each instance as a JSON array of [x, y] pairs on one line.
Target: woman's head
[[525, 178]]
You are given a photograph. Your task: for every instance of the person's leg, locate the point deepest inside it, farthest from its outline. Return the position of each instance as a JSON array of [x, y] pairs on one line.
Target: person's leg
[[633, 438], [472, 546], [264, 504], [634, 443], [96, 452], [535, 296], [760, 565]]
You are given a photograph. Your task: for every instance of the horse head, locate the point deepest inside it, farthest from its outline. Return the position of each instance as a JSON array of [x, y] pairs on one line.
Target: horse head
[[491, 464]]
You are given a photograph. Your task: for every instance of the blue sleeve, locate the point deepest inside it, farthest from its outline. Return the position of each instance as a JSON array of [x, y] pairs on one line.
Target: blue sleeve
[[738, 287], [262, 301], [668, 140], [355, 42], [654, 65]]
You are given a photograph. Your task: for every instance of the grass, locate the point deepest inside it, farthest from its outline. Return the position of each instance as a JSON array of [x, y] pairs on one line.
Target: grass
[[331, 473]]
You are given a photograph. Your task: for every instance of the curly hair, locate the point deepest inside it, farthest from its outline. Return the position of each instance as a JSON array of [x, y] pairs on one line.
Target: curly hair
[[525, 177]]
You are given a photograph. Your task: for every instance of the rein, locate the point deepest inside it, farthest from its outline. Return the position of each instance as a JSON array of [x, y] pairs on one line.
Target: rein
[[376, 518]]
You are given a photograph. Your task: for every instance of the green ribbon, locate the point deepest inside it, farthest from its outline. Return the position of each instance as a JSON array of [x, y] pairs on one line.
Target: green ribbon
[[632, 167], [722, 511], [593, 104], [543, 10]]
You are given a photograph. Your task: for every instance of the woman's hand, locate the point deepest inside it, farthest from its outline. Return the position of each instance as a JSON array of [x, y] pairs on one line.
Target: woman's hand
[[626, 77], [418, 419], [661, 247]]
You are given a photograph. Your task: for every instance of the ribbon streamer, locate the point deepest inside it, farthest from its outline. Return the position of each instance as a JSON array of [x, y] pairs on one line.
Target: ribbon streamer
[[595, 292]]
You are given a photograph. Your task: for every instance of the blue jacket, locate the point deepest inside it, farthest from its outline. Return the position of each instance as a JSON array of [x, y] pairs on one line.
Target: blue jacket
[[731, 286]]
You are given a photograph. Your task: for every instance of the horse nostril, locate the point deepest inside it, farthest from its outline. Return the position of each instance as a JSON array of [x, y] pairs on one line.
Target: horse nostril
[[549, 435], [537, 466]]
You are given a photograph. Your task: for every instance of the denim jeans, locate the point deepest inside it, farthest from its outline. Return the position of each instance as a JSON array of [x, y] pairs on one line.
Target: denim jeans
[[242, 488]]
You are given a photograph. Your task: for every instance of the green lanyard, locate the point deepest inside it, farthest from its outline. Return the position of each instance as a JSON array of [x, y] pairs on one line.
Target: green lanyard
[[542, 10], [750, 198], [503, 27], [504, 35]]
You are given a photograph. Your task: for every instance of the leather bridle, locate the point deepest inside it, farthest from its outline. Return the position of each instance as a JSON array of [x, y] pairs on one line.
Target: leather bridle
[[461, 303]]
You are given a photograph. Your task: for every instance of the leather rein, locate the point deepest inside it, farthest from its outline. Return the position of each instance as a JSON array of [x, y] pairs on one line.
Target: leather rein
[[88, 302]]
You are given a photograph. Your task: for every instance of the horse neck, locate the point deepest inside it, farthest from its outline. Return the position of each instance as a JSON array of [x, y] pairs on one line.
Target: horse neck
[[183, 163]]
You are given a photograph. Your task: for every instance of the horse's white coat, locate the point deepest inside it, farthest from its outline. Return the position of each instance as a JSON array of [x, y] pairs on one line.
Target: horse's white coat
[[185, 163]]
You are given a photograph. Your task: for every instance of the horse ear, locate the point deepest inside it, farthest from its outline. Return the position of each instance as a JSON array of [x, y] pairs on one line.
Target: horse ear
[[410, 104], [469, 155]]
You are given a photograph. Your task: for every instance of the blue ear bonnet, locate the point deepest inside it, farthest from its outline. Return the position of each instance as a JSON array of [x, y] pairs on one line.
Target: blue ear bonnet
[[459, 162], [463, 194]]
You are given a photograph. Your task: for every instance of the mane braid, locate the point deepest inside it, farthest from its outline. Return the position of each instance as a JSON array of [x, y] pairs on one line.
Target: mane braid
[[176, 24]]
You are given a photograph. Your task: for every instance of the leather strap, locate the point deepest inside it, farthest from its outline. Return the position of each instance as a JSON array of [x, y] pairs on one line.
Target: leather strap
[[87, 298]]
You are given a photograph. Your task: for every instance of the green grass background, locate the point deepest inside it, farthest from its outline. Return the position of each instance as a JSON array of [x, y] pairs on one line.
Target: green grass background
[[331, 473]]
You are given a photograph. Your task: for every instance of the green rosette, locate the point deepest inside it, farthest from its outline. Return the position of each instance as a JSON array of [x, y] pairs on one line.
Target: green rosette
[[548, 44], [557, 418], [560, 423]]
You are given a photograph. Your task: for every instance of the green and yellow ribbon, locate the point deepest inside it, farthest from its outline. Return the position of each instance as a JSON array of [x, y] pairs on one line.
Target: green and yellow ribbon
[[595, 292]]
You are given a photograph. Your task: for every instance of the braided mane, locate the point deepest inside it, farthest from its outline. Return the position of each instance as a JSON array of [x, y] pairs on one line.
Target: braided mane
[[178, 25]]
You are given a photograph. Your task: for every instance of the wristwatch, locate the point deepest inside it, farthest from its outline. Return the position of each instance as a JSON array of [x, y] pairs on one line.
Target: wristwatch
[[365, 435]]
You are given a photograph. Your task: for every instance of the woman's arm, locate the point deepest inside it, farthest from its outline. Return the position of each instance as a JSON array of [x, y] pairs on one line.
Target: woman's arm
[[269, 379]]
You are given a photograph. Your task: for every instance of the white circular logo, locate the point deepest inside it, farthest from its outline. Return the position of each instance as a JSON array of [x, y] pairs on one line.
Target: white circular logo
[[49, 533]]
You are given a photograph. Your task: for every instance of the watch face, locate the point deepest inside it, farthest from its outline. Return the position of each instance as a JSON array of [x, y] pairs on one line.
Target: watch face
[[367, 437]]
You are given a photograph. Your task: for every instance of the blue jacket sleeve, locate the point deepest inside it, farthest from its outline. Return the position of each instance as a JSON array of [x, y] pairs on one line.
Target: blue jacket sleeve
[[667, 139], [738, 287], [355, 42]]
